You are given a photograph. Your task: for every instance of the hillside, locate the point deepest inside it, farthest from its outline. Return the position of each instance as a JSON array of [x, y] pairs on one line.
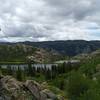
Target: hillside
[[78, 81], [23, 53], [15, 52], [70, 47], [44, 52]]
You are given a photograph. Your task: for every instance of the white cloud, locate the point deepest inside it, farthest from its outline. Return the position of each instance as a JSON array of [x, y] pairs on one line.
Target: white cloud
[[43, 20]]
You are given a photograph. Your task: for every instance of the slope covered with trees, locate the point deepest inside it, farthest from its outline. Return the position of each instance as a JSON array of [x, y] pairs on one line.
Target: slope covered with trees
[[70, 47], [16, 52], [68, 81], [78, 81]]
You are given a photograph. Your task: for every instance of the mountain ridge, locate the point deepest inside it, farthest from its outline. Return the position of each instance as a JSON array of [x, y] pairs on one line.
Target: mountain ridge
[[67, 47]]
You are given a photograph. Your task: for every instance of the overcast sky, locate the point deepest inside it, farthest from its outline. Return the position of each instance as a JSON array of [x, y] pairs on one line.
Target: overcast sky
[[43, 20]]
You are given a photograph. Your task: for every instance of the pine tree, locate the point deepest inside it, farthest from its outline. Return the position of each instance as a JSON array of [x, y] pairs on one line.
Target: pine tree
[[30, 70], [9, 70], [0, 70], [19, 74]]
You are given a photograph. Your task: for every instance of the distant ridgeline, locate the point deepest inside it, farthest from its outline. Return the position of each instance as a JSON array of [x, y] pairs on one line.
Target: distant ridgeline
[[69, 48], [47, 51]]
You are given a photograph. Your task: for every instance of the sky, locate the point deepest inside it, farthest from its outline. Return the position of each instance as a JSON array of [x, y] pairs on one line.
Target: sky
[[49, 20]]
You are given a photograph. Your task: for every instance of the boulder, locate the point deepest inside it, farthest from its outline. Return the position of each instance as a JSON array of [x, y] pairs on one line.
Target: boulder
[[34, 88], [11, 89], [10, 84], [49, 94], [38, 92]]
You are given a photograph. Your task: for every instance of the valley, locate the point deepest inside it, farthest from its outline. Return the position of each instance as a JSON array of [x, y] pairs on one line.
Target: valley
[[42, 73]]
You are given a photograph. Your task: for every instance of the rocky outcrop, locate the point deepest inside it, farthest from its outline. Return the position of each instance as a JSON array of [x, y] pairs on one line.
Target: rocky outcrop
[[42, 56], [49, 94], [38, 92], [34, 88], [11, 89]]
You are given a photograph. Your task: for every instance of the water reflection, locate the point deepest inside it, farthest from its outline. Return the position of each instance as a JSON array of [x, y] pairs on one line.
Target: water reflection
[[24, 66]]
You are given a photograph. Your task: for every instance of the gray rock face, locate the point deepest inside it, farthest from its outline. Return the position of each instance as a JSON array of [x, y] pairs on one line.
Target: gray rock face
[[11, 89], [49, 94], [34, 88], [38, 92]]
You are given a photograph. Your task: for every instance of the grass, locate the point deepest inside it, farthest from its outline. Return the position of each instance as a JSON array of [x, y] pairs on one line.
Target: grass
[[12, 62]]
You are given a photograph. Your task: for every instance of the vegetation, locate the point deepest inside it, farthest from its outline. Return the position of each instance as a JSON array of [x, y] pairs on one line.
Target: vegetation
[[70, 47], [71, 81], [15, 53]]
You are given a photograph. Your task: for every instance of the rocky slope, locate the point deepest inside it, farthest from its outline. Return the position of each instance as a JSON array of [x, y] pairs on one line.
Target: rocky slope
[[11, 89], [44, 56], [95, 54], [23, 53], [50, 49]]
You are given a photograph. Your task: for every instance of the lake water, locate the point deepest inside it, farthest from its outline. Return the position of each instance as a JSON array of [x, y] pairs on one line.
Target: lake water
[[23, 66], [49, 66]]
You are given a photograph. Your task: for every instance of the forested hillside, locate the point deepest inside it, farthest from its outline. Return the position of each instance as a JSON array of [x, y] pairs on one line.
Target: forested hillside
[[10, 52], [70, 48]]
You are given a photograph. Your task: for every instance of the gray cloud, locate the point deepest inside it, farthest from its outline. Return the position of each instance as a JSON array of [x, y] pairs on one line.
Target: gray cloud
[[42, 20], [78, 9]]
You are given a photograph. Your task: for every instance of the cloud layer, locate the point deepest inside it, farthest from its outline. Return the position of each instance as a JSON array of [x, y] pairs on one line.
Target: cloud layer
[[43, 20]]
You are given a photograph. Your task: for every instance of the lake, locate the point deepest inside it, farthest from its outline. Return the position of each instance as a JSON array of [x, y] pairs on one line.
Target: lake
[[23, 66], [48, 66]]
